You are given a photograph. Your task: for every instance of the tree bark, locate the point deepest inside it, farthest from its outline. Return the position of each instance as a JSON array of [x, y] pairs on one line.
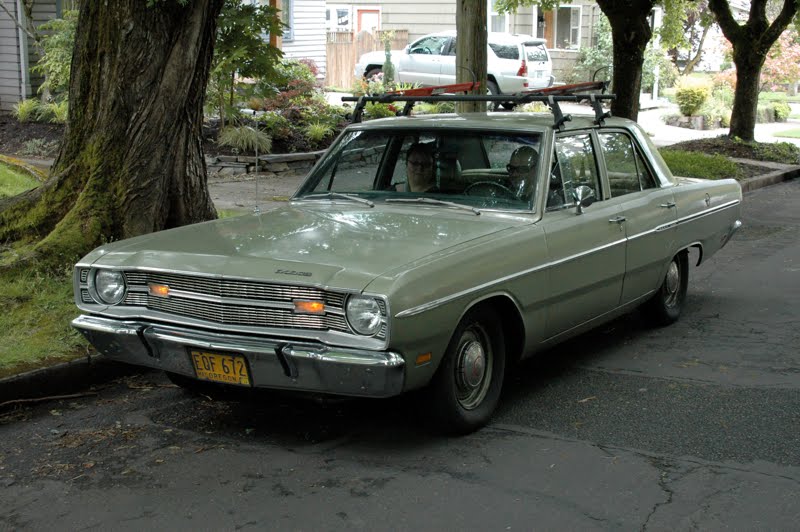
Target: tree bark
[[751, 41], [630, 33], [131, 160], [471, 54]]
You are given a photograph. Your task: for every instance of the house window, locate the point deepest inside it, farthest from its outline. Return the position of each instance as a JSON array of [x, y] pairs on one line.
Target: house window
[[287, 17], [562, 28], [497, 21]]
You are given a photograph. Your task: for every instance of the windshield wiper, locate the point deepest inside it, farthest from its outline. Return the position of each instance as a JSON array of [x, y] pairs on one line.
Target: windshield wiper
[[435, 202], [339, 195]]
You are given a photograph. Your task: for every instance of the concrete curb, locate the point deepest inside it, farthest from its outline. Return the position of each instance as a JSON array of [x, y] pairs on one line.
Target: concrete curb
[[80, 374], [65, 378]]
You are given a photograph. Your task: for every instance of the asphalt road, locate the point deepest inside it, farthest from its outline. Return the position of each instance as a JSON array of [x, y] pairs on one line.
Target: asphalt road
[[695, 426]]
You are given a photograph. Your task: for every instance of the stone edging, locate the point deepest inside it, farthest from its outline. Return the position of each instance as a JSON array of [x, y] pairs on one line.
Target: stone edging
[[286, 164]]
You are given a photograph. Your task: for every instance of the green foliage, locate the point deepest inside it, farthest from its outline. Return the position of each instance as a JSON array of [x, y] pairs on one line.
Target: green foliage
[[241, 51], [779, 152], [291, 75], [595, 62], [388, 66], [533, 107], [246, 139], [58, 41], [318, 132], [380, 110], [274, 123], [26, 110], [656, 59], [782, 111], [38, 148], [700, 165], [54, 112], [35, 323], [13, 182], [691, 96]]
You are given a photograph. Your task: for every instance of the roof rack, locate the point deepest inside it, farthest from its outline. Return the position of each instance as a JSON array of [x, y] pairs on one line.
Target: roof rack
[[551, 96]]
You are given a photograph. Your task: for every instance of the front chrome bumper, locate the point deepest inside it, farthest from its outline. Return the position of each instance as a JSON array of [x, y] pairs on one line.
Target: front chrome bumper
[[273, 363]]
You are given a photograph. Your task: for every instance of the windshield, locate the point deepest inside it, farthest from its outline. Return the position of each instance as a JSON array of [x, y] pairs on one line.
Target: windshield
[[484, 170]]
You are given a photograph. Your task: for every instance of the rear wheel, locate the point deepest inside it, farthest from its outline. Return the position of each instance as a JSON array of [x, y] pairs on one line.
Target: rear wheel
[[466, 388], [666, 304], [373, 72]]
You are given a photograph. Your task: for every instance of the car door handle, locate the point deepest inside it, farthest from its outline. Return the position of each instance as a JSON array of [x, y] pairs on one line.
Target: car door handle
[[668, 205], [617, 219]]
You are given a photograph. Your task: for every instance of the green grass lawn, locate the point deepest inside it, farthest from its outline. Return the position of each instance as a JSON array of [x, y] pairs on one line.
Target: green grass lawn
[[35, 326], [694, 164], [788, 134], [13, 182]]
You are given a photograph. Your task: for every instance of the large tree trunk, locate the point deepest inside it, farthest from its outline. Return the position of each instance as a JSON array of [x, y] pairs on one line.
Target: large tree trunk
[[471, 54], [745, 100], [751, 42], [131, 161], [630, 33]]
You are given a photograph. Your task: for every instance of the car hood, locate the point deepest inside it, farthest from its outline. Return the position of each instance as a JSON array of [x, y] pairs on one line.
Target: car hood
[[321, 244], [378, 57]]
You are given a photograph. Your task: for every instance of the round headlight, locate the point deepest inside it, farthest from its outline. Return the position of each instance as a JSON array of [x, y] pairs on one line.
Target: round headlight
[[110, 286], [364, 314]]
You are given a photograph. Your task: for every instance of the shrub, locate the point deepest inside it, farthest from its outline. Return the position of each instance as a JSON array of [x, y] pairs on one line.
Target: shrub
[[380, 110], [701, 165], [246, 139], [318, 132], [691, 96], [782, 111], [274, 123], [26, 110], [57, 42], [57, 112], [39, 148]]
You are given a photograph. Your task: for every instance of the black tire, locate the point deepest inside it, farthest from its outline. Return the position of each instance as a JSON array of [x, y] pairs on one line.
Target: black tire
[[465, 390], [666, 304], [372, 72]]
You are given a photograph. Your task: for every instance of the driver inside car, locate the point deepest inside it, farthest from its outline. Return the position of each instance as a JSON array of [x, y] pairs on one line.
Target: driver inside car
[[420, 168]]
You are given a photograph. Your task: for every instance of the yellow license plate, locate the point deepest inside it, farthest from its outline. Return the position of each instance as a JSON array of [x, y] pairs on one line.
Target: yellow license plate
[[229, 369]]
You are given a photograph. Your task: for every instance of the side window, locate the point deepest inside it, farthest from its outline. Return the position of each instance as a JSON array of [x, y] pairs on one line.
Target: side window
[[429, 45], [574, 164], [450, 48], [400, 174], [627, 172], [505, 51]]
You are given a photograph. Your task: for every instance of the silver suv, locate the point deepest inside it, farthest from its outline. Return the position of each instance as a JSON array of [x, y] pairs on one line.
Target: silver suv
[[515, 62]]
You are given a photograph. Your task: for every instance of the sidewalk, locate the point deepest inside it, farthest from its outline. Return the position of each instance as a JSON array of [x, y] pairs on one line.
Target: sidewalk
[[245, 193]]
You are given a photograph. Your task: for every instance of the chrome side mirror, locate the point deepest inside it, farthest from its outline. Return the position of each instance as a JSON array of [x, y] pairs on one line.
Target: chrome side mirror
[[583, 197]]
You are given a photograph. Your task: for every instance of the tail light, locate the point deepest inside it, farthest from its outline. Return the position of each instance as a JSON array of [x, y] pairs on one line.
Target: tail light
[[523, 69]]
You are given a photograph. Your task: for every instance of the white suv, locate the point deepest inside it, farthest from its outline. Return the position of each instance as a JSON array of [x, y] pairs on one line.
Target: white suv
[[515, 62]]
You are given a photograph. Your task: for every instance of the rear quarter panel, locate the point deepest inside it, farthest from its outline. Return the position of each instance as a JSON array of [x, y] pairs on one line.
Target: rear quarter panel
[[706, 212]]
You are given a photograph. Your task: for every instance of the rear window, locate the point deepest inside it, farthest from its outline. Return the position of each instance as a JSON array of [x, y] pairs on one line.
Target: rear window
[[505, 51], [536, 52]]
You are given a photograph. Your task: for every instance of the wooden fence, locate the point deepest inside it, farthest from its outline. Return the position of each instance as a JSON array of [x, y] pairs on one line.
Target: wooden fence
[[344, 48]]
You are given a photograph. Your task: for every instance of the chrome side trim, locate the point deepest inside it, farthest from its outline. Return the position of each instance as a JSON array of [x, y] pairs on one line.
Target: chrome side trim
[[441, 301]]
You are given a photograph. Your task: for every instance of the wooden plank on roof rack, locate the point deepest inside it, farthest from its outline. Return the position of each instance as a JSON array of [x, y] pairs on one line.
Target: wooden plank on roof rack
[[439, 89], [569, 89]]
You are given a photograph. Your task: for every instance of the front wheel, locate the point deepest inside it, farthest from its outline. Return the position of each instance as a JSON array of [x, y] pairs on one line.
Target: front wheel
[[372, 72], [666, 304], [466, 388]]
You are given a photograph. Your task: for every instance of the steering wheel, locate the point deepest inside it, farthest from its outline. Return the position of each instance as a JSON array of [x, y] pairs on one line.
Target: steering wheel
[[490, 188]]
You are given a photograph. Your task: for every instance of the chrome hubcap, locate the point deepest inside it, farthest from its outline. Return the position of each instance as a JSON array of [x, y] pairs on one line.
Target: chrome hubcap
[[473, 368], [672, 284]]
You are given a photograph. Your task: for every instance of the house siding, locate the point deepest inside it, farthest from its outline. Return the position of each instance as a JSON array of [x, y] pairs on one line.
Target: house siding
[[309, 33], [10, 80], [11, 77]]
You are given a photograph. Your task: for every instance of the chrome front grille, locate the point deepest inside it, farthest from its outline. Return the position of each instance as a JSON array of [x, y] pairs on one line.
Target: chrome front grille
[[256, 304]]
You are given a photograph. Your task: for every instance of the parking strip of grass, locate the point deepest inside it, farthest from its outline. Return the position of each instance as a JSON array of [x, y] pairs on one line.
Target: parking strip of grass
[[13, 181], [701, 165], [788, 134]]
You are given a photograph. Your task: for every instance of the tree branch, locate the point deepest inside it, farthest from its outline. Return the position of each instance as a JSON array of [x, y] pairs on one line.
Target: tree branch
[[722, 11], [17, 23], [782, 21]]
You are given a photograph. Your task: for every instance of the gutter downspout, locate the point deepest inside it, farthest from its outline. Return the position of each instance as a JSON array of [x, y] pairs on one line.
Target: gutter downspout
[[24, 79]]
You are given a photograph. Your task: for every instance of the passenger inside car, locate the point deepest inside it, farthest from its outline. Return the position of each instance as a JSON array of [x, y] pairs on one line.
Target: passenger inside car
[[521, 171]]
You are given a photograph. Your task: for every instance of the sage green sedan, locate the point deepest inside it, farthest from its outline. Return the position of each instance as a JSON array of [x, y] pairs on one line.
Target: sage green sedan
[[368, 284]]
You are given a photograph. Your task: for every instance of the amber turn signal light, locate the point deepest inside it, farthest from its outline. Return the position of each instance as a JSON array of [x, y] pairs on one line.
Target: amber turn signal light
[[160, 290], [423, 359], [309, 307]]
